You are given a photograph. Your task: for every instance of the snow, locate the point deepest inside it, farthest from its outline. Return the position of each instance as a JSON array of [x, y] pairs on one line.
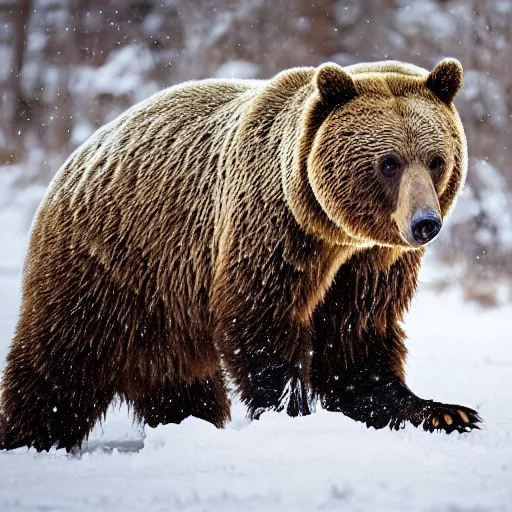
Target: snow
[[496, 202], [124, 72], [488, 198], [427, 17], [237, 69], [347, 13], [459, 353], [486, 98]]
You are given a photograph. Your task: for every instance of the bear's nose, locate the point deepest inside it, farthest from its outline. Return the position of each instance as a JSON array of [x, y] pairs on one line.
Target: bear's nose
[[425, 226]]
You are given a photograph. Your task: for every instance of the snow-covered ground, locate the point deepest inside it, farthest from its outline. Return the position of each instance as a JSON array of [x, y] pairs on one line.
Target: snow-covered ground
[[458, 353]]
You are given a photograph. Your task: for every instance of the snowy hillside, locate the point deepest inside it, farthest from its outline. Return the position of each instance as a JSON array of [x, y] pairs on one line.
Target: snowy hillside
[[458, 353]]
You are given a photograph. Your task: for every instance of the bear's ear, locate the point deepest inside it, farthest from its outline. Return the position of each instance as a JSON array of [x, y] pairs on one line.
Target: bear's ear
[[445, 80], [334, 84]]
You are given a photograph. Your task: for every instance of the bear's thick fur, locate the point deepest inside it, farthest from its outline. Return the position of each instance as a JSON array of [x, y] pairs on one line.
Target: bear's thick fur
[[258, 228]]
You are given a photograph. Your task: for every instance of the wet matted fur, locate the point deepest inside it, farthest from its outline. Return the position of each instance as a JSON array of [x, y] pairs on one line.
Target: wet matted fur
[[240, 227]]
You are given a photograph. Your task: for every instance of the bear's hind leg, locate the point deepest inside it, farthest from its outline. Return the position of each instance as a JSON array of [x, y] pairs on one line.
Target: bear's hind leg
[[66, 358], [56, 403], [170, 402]]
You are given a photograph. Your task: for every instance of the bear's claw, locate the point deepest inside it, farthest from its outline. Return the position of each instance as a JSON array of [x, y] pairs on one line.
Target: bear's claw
[[450, 418]]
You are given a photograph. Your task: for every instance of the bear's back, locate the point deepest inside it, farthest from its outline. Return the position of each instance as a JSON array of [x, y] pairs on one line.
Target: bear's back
[[158, 124], [141, 189]]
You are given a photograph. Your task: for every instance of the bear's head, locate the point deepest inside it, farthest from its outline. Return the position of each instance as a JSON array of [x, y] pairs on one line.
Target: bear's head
[[383, 151]]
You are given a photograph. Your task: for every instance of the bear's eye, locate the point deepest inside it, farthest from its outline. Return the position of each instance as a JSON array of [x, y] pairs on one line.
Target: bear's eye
[[390, 165], [437, 164]]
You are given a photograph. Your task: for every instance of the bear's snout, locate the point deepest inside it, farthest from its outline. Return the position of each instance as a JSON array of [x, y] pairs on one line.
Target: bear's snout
[[425, 226]]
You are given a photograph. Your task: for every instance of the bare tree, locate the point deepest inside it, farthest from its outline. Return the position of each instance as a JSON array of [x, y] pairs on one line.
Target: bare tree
[[16, 105]]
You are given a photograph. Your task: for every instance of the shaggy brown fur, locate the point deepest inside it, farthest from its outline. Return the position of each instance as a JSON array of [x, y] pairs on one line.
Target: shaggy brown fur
[[242, 220]]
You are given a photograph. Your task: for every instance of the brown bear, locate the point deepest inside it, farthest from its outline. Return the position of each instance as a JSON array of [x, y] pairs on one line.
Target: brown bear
[[268, 230]]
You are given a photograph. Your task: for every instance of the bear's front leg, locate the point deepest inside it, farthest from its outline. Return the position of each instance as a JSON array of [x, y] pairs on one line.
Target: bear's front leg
[[266, 352], [266, 358], [359, 351], [371, 392]]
